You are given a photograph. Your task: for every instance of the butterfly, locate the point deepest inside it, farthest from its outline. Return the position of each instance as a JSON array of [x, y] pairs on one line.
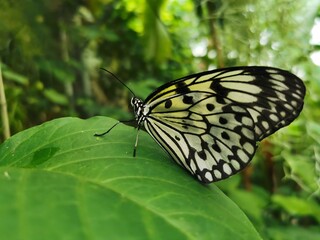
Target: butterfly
[[211, 122]]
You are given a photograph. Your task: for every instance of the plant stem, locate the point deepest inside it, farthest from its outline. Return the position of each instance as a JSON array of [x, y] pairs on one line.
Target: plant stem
[[215, 38], [4, 111]]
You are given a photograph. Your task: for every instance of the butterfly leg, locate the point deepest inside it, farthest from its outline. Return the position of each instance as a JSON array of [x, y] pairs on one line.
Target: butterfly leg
[[136, 143]]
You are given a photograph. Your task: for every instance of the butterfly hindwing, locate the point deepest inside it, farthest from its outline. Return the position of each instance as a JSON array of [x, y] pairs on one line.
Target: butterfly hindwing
[[215, 148], [210, 122]]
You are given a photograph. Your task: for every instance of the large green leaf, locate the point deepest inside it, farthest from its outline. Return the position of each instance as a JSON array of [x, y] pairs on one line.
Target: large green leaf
[[58, 181]]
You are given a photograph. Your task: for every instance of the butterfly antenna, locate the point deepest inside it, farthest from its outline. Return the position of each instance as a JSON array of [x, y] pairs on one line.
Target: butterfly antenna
[[113, 75]]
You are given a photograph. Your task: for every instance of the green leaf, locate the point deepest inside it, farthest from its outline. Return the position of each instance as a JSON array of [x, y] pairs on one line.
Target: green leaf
[[298, 207], [55, 96], [293, 233], [302, 170], [58, 181], [157, 40], [15, 77]]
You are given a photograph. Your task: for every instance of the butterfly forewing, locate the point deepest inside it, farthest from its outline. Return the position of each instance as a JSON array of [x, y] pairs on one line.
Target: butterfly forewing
[[210, 122]]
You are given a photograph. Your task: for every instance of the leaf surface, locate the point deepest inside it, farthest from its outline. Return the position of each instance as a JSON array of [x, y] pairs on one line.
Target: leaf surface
[[58, 181]]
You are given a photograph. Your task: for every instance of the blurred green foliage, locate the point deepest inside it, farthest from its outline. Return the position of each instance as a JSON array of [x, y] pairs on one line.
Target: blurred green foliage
[[51, 52]]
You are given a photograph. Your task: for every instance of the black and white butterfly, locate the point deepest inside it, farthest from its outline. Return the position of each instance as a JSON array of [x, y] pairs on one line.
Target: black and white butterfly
[[210, 122]]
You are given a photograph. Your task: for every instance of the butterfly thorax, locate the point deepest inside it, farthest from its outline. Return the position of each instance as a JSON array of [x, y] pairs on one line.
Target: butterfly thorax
[[139, 109]]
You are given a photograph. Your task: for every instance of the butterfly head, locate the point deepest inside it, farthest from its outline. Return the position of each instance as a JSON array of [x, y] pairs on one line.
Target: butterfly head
[[138, 107]]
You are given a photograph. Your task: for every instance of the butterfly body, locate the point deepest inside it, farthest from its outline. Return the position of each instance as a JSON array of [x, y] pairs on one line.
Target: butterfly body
[[210, 122]]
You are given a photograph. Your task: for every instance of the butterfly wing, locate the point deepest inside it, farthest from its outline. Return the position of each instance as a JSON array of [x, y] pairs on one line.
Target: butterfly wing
[[210, 122]]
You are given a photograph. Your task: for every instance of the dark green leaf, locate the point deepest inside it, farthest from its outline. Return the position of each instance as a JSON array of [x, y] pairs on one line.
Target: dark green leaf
[[57, 181]]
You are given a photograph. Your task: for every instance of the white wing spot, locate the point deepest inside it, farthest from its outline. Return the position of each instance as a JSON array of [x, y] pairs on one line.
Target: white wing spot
[[246, 121], [271, 70], [242, 155], [265, 124], [295, 95], [279, 95], [235, 164], [217, 174], [279, 85], [274, 117], [226, 168], [208, 176], [288, 106], [278, 77], [294, 103], [248, 147], [283, 113], [246, 132], [297, 90]]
